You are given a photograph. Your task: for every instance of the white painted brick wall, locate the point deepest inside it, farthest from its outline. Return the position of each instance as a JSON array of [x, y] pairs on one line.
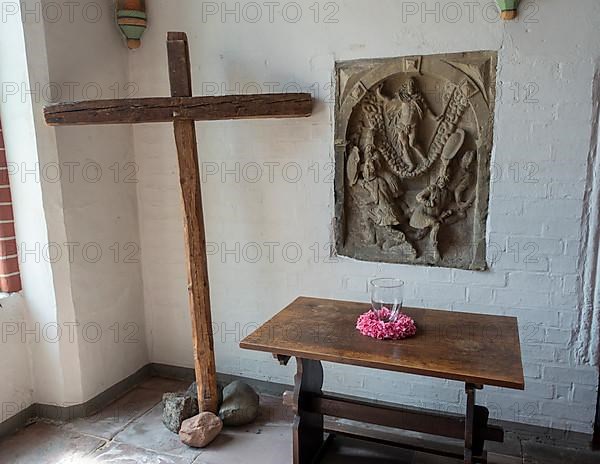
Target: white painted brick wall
[[535, 205]]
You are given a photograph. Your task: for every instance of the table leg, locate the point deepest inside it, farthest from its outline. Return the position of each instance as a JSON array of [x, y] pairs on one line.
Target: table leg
[[308, 426], [470, 431]]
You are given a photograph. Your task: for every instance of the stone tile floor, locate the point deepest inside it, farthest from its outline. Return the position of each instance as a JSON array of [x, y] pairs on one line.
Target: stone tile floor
[[130, 431]]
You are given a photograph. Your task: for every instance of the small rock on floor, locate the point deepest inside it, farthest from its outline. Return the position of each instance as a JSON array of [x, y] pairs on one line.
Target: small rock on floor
[[240, 404], [178, 407], [200, 430]]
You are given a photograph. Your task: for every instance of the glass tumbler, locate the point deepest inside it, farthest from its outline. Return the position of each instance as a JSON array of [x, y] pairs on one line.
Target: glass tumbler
[[387, 293]]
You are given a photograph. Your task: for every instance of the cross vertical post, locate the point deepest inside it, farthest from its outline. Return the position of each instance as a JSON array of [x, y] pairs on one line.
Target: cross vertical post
[[195, 237]]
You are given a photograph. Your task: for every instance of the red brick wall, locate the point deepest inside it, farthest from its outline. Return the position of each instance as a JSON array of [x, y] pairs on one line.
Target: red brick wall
[[10, 279]]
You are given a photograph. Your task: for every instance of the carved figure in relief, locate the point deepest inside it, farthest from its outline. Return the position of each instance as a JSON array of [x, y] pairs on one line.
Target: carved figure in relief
[[353, 166], [431, 211], [410, 186], [452, 147], [465, 181], [402, 114], [383, 189]]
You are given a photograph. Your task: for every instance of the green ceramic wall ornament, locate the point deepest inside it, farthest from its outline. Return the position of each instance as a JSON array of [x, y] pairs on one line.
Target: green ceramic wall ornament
[[132, 20], [508, 8]]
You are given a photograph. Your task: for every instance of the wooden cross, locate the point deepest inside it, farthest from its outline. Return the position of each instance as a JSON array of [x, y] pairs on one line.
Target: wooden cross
[[183, 109]]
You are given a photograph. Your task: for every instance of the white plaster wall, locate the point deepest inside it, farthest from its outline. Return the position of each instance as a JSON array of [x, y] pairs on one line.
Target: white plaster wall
[[544, 111], [65, 212], [88, 60], [16, 388], [39, 299]]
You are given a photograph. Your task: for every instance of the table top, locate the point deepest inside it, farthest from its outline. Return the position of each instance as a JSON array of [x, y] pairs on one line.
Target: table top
[[472, 348]]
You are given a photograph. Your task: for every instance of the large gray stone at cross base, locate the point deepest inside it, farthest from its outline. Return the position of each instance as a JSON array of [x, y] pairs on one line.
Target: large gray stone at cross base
[[178, 407], [240, 404], [193, 392], [199, 431]]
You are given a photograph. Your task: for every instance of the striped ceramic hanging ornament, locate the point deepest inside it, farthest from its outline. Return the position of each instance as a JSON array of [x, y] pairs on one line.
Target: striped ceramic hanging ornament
[[132, 20], [508, 9]]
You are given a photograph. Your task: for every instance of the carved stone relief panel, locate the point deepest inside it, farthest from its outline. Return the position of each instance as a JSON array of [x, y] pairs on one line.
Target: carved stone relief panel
[[413, 143]]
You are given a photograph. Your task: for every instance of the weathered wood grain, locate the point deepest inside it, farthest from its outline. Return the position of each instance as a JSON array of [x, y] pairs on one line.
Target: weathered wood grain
[[472, 348], [195, 240], [438, 423], [167, 109]]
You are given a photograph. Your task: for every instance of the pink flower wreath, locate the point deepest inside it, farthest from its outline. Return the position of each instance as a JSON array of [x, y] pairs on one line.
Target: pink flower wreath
[[372, 324]]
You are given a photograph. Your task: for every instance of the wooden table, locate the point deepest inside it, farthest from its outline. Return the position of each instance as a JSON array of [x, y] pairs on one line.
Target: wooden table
[[475, 349]]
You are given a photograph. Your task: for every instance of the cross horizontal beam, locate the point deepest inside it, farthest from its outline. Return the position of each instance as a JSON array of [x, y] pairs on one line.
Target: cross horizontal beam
[[168, 109]]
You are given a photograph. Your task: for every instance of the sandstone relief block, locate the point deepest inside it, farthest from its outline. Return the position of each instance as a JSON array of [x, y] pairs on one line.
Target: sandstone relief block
[[413, 140]]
